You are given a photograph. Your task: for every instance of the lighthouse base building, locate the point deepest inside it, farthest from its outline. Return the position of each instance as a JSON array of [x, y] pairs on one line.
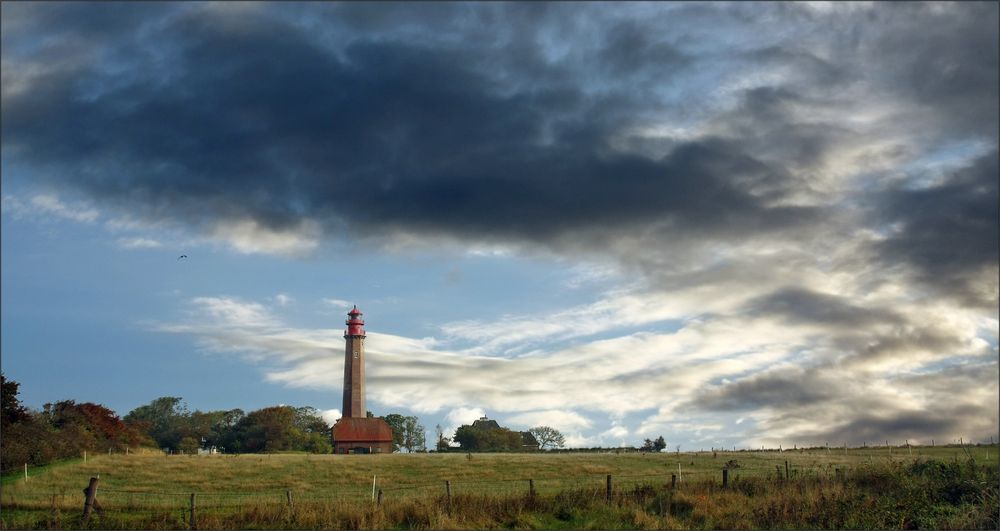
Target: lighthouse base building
[[362, 436], [355, 432]]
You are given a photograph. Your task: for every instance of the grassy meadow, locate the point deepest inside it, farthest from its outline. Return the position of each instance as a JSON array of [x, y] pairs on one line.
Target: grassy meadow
[[862, 488]]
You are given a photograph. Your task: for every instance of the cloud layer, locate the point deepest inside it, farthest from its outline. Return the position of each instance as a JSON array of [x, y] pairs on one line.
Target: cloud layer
[[806, 208]]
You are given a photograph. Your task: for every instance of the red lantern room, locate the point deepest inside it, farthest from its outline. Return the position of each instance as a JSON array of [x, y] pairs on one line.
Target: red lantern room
[[355, 324]]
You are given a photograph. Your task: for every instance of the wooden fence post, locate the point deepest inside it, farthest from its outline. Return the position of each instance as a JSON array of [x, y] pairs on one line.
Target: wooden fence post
[[725, 477], [673, 481], [608, 493], [288, 496], [788, 475], [379, 502], [88, 502], [531, 488], [193, 522], [447, 488]]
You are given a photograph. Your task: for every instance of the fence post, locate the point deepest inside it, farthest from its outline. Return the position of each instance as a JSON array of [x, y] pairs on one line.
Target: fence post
[[193, 523], [608, 493], [838, 474], [91, 494], [725, 477], [531, 488], [379, 502], [447, 488], [288, 496], [26, 472], [788, 475], [673, 481]]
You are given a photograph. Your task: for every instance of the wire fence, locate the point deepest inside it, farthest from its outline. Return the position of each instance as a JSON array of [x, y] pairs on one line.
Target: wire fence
[[181, 504]]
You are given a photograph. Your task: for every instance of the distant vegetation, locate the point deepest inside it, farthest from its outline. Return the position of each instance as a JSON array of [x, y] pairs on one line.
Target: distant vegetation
[[60, 431], [66, 430]]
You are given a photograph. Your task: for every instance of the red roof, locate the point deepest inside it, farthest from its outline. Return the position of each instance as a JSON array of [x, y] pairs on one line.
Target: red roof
[[351, 429], [355, 311]]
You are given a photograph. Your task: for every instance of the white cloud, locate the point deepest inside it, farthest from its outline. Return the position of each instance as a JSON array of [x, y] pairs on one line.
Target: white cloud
[[459, 416], [613, 436], [138, 243], [249, 237], [337, 303], [283, 299], [230, 311], [12, 206], [580, 384], [561, 420], [330, 416], [49, 205]]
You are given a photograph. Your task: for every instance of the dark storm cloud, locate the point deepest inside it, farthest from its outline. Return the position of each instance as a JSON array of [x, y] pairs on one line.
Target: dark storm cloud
[[869, 429], [505, 122], [896, 423], [945, 60], [800, 305], [947, 232], [832, 407], [779, 389], [260, 121]]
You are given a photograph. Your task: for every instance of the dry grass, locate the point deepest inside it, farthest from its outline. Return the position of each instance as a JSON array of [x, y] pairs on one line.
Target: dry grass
[[491, 491]]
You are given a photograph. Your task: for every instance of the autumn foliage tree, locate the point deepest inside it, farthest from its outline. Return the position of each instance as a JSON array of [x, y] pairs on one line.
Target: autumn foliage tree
[[63, 429]]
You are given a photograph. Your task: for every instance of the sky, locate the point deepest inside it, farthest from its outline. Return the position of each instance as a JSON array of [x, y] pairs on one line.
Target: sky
[[727, 224]]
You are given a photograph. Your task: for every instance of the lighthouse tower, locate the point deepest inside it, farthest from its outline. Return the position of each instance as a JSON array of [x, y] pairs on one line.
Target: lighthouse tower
[[354, 365], [354, 432]]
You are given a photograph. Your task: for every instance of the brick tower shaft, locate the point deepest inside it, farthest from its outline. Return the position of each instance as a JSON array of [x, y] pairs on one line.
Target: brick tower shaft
[[354, 366]]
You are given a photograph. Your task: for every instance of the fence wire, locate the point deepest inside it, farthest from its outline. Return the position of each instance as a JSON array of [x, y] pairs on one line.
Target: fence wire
[[177, 504]]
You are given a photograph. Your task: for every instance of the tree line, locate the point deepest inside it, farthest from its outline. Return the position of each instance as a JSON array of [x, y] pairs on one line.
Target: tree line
[[66, 429]]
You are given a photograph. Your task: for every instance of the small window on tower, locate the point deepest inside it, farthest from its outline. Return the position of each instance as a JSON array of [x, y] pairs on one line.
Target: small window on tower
[[355, 354]]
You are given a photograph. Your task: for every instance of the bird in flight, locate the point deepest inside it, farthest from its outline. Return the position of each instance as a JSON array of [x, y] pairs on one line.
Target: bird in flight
[[182, 256]]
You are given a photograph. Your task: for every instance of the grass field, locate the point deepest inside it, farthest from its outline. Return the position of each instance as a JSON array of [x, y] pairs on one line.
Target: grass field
[[856, 488]]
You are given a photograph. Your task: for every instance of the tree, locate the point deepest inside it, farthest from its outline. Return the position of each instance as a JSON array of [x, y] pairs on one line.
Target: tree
[[659, 444], [315, 431], [269, 429], [407, 432], [309, 420], [397, 423], [188, 445], [647, 446], [414, 435], [443, 443], [164, 419], [492, 440], [99, 426], [467, 437], [548, 437], [13, 410]]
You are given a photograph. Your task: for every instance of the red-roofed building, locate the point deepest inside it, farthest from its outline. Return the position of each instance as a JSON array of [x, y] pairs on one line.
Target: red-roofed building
[[362, 436], [355, 432]]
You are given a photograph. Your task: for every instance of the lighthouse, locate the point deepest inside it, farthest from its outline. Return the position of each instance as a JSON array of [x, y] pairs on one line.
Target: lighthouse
[[354, 365], [355, 432]]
